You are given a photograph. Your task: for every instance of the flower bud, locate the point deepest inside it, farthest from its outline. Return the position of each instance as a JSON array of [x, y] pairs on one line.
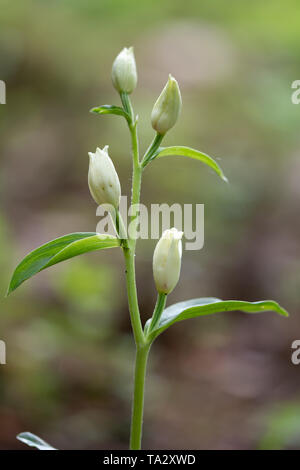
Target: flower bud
[[103, 179], [167, 261], [167, 108], [124, 75]]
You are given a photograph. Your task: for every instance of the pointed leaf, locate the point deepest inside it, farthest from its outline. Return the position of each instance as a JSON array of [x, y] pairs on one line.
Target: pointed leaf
[[34, 441], [111, 109], [189, 152], [206, 306], [58, 250]]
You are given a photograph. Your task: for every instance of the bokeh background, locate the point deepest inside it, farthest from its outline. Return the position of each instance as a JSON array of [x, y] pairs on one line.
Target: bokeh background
[[221, 382]]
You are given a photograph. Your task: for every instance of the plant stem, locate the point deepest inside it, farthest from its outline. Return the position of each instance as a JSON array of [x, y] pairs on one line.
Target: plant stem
[[160, 305], [129, 253], [136, 184], [129, 249], [142, 346], [152, 149], [132, 298], [138, 397], [127, 104], [120, 228]]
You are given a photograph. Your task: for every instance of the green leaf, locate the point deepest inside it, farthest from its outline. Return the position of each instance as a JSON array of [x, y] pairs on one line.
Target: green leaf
[[34, 441], [59, 250], [188, 152], [206, 306], [111, 109]]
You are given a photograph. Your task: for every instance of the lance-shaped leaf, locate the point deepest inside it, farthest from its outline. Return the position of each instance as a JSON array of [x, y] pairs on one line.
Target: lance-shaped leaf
[[111, 109], [34, 441], [58, 250], [192, 153], [206, 306]]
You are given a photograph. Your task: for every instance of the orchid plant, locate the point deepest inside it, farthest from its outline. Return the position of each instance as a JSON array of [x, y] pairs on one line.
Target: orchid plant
[[105, 189]]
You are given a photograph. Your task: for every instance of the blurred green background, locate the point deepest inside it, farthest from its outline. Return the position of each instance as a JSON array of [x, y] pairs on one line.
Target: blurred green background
[[222, 382]]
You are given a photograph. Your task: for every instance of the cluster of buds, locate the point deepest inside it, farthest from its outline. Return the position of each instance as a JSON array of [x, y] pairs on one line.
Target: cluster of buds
[[103, 180], [166, 109]]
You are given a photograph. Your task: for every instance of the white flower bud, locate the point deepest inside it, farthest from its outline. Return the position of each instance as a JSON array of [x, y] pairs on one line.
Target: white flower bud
[[167, 108], [167, 260], [124, 75], [103, 179]]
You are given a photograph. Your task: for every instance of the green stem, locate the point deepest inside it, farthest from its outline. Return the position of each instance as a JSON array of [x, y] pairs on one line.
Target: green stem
[[129, 249], [129, 253], [160, 305], [132, 298], [142, 343], [137, 170], [152, 149], [127, 104], [142, 347], [138, 397], [120, 228]]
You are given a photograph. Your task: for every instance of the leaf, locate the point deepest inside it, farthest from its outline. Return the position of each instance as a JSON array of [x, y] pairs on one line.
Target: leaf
[[206, 306], [58, 250], [188, 152], [111, 109], [34, 441]]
